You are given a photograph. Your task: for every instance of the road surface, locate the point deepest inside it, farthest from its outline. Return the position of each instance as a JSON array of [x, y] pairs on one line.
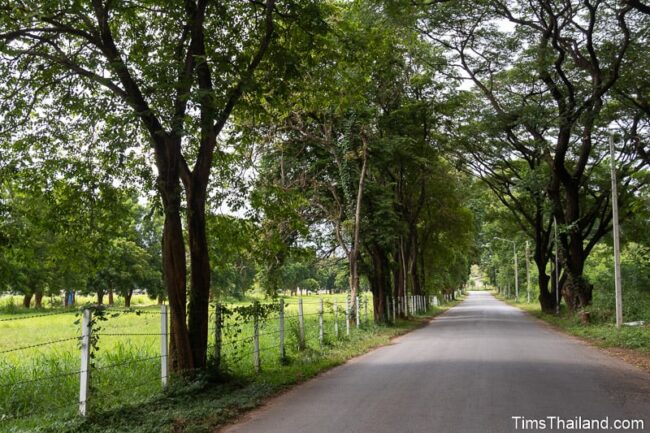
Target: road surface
[[470, 370]]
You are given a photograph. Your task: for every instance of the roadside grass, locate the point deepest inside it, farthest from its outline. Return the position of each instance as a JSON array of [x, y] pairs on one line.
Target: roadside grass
[[126, 391], [600, 332]]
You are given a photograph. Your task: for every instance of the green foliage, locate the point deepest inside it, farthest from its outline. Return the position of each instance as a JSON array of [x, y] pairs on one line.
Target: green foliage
[[635, 273]]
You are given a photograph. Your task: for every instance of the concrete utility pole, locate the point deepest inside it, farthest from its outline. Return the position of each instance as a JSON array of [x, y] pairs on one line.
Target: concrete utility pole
[[617, 246], [557, 273], [527, 274]]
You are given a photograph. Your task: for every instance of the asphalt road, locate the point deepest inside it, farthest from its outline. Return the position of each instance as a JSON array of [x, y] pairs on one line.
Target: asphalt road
[[470, 370]]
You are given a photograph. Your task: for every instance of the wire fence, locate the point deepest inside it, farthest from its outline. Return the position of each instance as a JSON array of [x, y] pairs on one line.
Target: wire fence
[[117, 356]]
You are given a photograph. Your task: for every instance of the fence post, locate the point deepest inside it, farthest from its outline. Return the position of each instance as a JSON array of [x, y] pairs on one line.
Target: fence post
[[84, 371], [356, 305], [320, 323], [347, 316], [256, 343], [394, 317], [406, 306], [336, 319], [163, 346], [281, 318], [301, 325]]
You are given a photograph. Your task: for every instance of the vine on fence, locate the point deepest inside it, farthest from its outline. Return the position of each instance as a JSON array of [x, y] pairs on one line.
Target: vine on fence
[[238, 317]]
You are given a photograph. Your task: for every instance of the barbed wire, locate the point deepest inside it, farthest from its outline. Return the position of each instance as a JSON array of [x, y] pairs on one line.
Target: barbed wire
[[33, 316], [137, 310], [129, 362], [262, 349], [129, 334], [31, 346], [42, 379]]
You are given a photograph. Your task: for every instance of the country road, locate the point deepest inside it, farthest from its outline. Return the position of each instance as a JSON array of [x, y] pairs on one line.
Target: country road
[[470, 370]]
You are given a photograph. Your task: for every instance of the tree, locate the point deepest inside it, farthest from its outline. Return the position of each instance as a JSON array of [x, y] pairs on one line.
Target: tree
[[546, 83], [180, 71]]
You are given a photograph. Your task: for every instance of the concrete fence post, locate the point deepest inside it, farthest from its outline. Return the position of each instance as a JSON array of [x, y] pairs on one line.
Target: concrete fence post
[[163, 346], [256, 343], [347, 316], [301, 325], [84, 370], [320, 323], [281, 324], [336, 319], [356, 305]]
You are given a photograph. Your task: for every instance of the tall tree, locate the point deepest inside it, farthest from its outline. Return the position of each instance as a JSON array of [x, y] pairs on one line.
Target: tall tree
[[180, 69]]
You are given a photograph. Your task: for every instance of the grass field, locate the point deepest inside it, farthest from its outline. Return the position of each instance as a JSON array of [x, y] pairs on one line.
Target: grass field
[[39, 358]]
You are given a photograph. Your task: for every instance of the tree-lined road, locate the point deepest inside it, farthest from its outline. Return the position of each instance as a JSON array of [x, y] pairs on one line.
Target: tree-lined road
[[470, 370]]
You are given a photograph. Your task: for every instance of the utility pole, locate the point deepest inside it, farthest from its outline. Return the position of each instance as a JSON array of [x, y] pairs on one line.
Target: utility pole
[[527, 274], [617, 245], [557, 273]]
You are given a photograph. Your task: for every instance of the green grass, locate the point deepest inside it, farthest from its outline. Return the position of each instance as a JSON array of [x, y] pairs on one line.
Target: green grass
[[12, 304], [124, 381], [602, 333]]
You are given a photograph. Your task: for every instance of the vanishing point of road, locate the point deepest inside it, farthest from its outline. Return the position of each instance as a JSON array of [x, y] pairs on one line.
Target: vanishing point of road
[[472, 369]]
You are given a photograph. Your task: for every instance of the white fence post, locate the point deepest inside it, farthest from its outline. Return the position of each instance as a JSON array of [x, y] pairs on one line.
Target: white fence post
[[281, 318], [406, 305], [394, 317], [256, 343], [356, 305], [347, 316], [301, 324], [164, 357], [84, 371], [336, 319], [320, 323]]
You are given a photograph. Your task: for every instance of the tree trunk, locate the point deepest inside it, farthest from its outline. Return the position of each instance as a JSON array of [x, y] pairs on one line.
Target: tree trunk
[[174, 263], [379, 278], [127, 298], [111, 300], [100, 297], [27, 300], [354, 251], [200, 272], [38, 299]]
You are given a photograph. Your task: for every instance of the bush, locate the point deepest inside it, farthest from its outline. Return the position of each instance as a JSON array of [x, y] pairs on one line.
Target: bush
[[635, 274]]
